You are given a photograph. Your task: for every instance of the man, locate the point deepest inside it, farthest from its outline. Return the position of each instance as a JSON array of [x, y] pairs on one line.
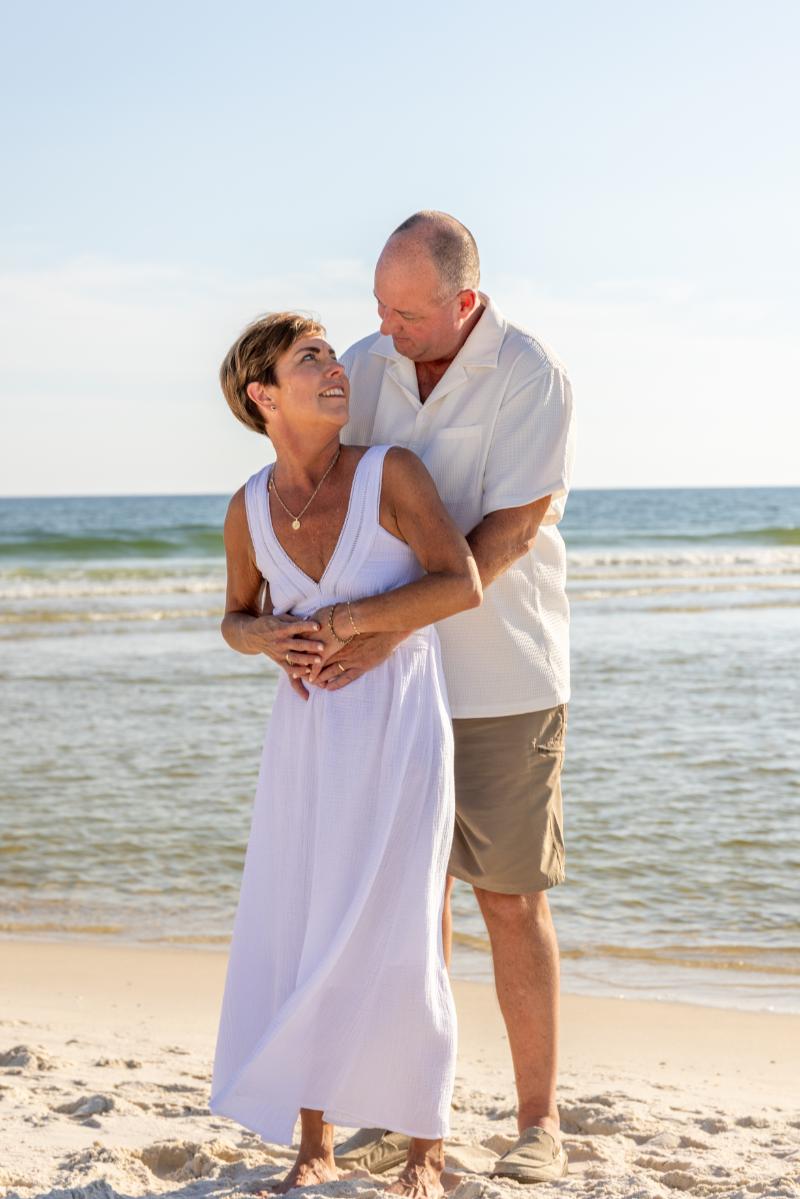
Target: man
[[489, 410]]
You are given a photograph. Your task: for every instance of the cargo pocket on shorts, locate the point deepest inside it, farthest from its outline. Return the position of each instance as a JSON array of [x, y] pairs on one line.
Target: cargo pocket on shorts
[[550, 744], [553, 733]]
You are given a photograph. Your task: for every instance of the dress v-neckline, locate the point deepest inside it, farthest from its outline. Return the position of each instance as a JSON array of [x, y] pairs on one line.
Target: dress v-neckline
[[340, 539]]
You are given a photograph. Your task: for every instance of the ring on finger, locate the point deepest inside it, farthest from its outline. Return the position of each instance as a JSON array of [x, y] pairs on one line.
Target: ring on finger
[[342, 668]]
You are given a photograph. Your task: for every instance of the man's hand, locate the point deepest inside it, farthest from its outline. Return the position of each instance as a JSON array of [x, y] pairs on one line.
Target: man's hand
[[364, 653]]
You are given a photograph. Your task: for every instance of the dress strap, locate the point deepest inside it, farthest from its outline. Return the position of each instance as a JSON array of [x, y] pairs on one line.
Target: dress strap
[[374, 481], [255, 498], [356, 536]]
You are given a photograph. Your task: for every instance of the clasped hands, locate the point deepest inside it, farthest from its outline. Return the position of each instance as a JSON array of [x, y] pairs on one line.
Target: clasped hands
[[310, 654]]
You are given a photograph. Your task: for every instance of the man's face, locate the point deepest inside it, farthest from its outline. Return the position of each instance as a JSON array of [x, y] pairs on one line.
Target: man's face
[[423, 324]]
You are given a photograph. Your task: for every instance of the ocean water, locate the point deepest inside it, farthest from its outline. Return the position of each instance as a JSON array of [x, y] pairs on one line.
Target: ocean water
[[131, 736]]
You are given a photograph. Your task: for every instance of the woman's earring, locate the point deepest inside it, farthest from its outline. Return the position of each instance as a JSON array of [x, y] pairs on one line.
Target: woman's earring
[[274, 407]]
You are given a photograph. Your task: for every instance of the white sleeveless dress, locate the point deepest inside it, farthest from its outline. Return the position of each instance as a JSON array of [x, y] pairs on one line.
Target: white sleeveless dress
[[337, 997]]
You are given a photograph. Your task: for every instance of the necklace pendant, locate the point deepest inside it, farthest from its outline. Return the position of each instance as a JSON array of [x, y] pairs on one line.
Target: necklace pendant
[[295, 523]]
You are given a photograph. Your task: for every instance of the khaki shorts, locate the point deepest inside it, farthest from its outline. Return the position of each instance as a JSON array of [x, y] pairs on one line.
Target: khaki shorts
[[509, 817]]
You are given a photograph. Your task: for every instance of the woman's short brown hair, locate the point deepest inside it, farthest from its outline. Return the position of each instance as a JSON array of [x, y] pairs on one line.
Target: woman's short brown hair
[[252, 358]]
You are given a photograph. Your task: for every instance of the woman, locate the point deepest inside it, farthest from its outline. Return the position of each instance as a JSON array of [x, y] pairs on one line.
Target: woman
[[337, 1002]]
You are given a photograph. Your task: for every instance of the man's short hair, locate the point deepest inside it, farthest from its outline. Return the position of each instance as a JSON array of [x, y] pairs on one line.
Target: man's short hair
[[252, 358], [450, 245]]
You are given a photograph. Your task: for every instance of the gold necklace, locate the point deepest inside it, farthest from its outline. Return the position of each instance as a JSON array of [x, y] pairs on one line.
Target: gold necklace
[[296, 519]]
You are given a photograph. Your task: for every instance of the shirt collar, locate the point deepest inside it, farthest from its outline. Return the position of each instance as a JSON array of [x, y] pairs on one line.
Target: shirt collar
[[481, 348]]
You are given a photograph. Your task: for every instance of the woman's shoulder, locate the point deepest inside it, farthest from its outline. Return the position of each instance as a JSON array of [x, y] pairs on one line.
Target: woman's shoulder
[[404, 474], [402, 462], [382, 453], [236, 512], [399, 467], [392, 453]]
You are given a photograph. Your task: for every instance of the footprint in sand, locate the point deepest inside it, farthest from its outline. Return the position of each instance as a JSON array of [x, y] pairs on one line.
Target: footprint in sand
[[682, 1180], [9, 1179], [183, 1161], [583, 1151], [663, 1165], [692, 1143], [714, 1125], [498, 1144], [595, 1120], [176, 1111], [86, 1105], [33, 1057]]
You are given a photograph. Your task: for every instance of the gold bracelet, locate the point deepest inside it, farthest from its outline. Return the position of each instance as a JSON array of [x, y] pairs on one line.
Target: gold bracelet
[[352, 622], [333, 630]]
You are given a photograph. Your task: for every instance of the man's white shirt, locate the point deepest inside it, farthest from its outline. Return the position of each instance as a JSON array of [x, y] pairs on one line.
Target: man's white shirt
[[496, 432]]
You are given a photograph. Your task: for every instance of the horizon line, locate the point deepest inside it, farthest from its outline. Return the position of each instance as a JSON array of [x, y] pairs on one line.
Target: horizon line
[[140, 495]]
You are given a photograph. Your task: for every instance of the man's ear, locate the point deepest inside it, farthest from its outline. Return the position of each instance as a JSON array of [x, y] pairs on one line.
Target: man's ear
[[467, 302]]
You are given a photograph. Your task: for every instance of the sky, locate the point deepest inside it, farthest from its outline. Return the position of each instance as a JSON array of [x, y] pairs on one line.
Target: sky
[[630, 172]]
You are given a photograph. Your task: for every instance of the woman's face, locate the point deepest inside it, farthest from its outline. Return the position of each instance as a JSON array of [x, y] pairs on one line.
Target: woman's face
[[312, 387]]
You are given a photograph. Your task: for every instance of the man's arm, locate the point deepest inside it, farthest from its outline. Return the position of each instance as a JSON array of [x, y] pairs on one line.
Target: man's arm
[[530, 460], [496, 543], [504, 536]]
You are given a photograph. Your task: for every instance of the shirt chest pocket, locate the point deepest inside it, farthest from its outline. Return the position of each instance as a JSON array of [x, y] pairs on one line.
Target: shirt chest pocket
[[453, 458]]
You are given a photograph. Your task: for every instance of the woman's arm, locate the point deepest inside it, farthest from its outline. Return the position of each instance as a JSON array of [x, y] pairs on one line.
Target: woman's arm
[[412, 511], [249, 626]]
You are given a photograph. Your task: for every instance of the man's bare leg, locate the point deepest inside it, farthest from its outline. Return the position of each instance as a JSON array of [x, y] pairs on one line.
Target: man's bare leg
[[447, 921], [421, 1176], [314, 1161], [526, 973]]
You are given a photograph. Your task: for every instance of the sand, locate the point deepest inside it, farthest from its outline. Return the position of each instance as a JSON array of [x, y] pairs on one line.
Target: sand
[[105, 1066]]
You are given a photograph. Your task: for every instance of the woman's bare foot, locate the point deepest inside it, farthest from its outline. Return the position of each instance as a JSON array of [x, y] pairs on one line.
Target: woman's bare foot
[[314, 1162], [421, 1176], [304, 1172]]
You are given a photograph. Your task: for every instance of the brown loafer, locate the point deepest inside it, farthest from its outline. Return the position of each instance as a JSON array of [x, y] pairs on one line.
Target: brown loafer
[[536, 1157], [373, 1149]]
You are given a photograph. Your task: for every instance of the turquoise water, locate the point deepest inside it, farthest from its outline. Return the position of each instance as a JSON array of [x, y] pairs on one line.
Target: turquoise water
[[131, 737]]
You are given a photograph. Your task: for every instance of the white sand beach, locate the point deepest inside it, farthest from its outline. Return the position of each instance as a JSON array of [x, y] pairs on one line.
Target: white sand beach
[[105, 1066]]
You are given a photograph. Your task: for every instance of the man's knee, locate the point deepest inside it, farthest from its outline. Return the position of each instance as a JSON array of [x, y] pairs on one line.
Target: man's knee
[[512, 910]]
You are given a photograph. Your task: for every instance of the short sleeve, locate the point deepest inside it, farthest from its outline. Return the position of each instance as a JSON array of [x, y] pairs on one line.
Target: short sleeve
[[532, 446]]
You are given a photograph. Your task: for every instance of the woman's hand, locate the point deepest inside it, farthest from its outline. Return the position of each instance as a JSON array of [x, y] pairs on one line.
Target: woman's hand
[[249, 625], [293, 644]]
